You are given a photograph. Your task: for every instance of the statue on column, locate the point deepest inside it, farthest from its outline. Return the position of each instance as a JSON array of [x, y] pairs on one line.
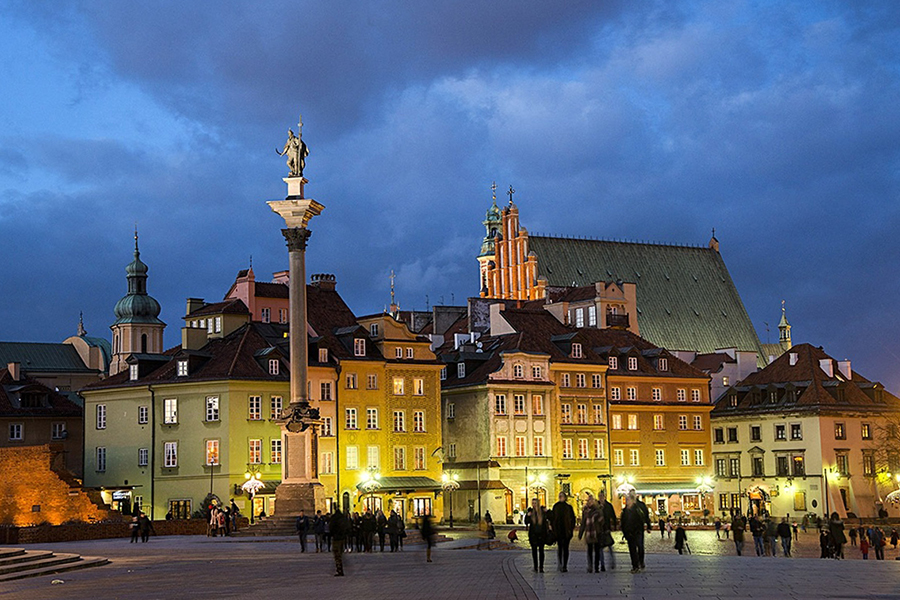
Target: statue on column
[[296, 151]]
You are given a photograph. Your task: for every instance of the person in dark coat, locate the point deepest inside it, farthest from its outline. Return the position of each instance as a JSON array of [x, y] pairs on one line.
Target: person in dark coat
[[591, 531], [538, 531], [635, 517], [836, 531], [319, 531], [785, 533], [681, 543], [610, 524], [427, 530], [302, 530], [135, 528], [339, 527], [737, 531], [393, 531], [368, 527], [146, 527], [381, 528], [562, 521]]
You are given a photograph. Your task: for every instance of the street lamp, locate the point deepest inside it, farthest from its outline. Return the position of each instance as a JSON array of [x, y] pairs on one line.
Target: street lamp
[[450, 483], [371, 483], [704, 486], [252, 485]]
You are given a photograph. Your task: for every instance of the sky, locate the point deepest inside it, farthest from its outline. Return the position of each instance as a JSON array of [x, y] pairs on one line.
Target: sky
[[776, 123]]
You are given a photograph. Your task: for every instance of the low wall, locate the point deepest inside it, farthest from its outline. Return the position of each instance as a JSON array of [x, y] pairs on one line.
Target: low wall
[[45, 534]]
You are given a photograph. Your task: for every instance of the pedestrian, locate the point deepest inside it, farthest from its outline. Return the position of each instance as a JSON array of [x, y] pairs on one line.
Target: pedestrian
[[718, 527], [146, 527], [864, 548], [662, 528], [771, 535], [358, 537], [368, 526], [878, 543], [427, 530], [562, 521], [339, 526], [852, 534], [727, 529], [393, 531], [756, 530], [796, 531], [402, 531], [380, 527], [669, 529], [513, 536], [681, 543], [319, 531], [327, 535], [220, 517], [302, 530], [784, 532], [737, 530], [235, 512], [824, 544], [538, 532], [610, 524], [213, 523], [135, 530], [836, 530], [591, 529], [894, 537], [634, 519]]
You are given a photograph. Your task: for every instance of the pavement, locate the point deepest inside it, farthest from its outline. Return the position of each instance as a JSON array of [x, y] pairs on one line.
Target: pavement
[[200, 567]]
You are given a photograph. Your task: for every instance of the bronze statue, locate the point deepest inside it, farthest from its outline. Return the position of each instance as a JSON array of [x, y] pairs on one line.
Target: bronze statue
[[296, 151]]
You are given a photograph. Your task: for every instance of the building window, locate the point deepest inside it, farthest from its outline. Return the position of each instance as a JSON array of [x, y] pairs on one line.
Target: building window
[[635, 460], [58, 431], [866, 429], [579, 317], [460, 370], [796, 431], [418, 387], [681, 395], [538, 445], [723, 502], [663, 364], [732, 434], [613, 363], [756, 463], [327, 466], [632, 363], [101, 416], [685, 458], [143, 457], [868, 465], [682, 422], [182, 368], [255, 450], [583, 453], [254, 408], [592, 316], [598, 414], [720, 468], [567, 449], [619, 457], [499, 404], [101, 459], [660, 458], [580, 380], [16, 432], [266, 315], [781, 466], [755, 433], [719, 435], [359, 347], [518, 371], [323, 355], [537, 405], [282, 315], [276, 403], [325, 390], [350, 381], [399, 421], [501, 445], [170, 455], [798, 465], [410, 353], [521, 444], [398, 352], [617, 421], [133, 372], [734, 467], [444, 373], [536, 372], [419, 458], [581, 414], [350, 421], [576, 351], [657, 394], [631, 393], [143, 415], [565, 413], [371, 381], [275, 451], [698, 458], [451, 410], [695, 395], [327, 427], [566, 380], [599, 453], [780, 432], [519, 404], [352, 458], [596, 380], [373, 329], [170, 411], [373, 457], [452, 451], [371, 418], [658, 422], [212, 408], [273, 366], [842, 464], [840, 433], [422, 506], [698, 422], [419, 421], [632, 421], [212, 452], [615, 394]]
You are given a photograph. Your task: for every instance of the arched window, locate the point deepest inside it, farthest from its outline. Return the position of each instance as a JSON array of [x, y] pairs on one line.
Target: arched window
[[144, 343]]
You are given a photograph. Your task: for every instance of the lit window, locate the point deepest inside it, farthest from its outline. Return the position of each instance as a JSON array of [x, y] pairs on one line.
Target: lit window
[[565, 413], [499, 404], [579, 317], [399, 458], [101, 416], [399, 421], [567, 448], [599, 453], [212, 408], [419, 458], [617, 421], [327, 463], [796, 431], [373, 457], [419, 421], [635, 458], [632, 421], [273, 366], [658, 422], [660, 458], [359, 347], [170, 455], [583, 449], [521, 445], [619, 458], [866, 430], [537, 405], [218, 324], [212, 452], [371, 418], [519, 404], [501, 446], [254, 408], [538, 445], [418, 387], [327, 428], [592, 316], [170, 411], [581, 414], [255, 449], [840, 433], [698, 458], [101, 458], [352, 458], [275, 406], [350, 421], [182, 368]]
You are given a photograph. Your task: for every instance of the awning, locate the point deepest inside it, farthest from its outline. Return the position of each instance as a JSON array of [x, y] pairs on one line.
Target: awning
[[403, 484], [484, 485], [666, 488]]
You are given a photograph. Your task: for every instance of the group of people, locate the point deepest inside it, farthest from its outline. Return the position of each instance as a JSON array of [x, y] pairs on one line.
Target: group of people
[[598, 521], [140, 525], [766, 533], [870, 538], [222, 520]]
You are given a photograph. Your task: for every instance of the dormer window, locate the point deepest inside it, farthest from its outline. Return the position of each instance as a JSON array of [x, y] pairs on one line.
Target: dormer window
[[592, 316], [518, 371], [613, 362], [579, 317], [443, 373], [733, 401], [373, 329], [359, 347], [576, 351], [536, 372], [461, 370], [663, 364], [273, 366], [133, 372], [410, 353], [398, 353], [266, 315], [632, 363], [323, 355], [182, 368]]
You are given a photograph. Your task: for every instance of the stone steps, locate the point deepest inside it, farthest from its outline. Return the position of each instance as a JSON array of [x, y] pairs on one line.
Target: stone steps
[[18, 563]]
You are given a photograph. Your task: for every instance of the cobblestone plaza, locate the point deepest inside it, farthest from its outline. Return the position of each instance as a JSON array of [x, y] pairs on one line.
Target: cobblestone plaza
[[195, 567]]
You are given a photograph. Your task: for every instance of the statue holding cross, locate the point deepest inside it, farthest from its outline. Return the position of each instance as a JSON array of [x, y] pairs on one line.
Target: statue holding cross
[[296, 151]]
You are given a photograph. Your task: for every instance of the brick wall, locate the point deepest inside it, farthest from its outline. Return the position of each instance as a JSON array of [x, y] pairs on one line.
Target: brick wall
[[44, 534]]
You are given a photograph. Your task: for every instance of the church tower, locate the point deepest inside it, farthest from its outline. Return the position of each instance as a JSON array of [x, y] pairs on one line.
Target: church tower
[[137, 328], [784, 331], [492, 224]]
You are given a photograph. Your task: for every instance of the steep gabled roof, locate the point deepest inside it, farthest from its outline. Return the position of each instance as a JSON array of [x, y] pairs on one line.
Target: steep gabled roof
[[686, 299], [235, 306], [36, 357], [10, 390]]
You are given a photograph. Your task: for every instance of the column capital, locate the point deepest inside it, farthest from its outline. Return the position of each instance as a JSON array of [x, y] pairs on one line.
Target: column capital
[[296, 238]]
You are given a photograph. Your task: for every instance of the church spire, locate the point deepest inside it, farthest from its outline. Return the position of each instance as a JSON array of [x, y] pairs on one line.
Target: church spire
[[395, 308], [784, 330]]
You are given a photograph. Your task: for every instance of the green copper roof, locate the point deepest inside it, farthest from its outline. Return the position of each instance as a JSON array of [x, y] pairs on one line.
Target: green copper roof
[[36, 357], [137, 306], [686, 299]]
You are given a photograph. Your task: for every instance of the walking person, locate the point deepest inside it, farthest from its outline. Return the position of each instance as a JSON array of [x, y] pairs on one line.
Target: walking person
[[784, 532], [824, 544], [562, 521], [393, 531], [894, 537], [319, 531], [878, 543], [756, 530], [427, 530], [135, 529], [771, 535], [380, 527], [591, 530], [634, 519], [327, 534], [681, 543], [146, 527], [339, 526], [737, 531], [401, 531], [852, 534], [368, 526], [836, 531], [302, 530], [538, 532], [718, 527], [864, 547], [610, 523]]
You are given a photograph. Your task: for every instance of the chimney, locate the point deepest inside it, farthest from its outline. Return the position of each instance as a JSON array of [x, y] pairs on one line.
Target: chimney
[[15, 370], [844, 367], [324, 281], [194, 304], [281, 277], [827, 365], [793, 358]]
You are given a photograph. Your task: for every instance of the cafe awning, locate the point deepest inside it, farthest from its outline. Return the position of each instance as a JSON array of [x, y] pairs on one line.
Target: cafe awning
[[666, 488], [403, 484]]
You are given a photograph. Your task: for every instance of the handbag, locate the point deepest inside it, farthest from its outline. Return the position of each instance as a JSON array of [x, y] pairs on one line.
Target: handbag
[[607, 539], [551, 536]]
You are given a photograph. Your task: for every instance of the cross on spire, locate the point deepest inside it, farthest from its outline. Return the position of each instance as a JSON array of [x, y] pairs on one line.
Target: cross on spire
[[393, 276], [494, 191], [510, 194]]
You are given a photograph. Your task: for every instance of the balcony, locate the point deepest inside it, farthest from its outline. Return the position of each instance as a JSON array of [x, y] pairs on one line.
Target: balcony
[[617, 321]]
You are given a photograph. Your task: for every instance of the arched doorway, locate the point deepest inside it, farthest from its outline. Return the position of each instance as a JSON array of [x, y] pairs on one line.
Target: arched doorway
[[345, 502]]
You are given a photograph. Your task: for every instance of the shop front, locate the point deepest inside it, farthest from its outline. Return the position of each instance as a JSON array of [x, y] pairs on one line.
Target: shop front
[[409, 497], [675, 500]]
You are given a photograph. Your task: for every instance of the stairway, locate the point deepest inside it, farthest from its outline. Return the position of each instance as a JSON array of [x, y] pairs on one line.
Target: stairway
[[269, 526], [18, 563]]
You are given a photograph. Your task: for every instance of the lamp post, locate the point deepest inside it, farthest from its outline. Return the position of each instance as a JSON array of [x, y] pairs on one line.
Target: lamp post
[[450, 483], [251, 486], [371, 483], [704, 486]]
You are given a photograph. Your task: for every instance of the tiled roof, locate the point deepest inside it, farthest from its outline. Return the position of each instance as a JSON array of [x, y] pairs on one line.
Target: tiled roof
[[712, 362], [43, 357], [234, 306], [59, 405], [686, 299], [271, 290], [804, 386]]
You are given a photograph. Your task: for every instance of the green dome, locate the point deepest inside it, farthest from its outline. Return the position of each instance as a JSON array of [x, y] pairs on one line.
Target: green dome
[[137, 306]]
